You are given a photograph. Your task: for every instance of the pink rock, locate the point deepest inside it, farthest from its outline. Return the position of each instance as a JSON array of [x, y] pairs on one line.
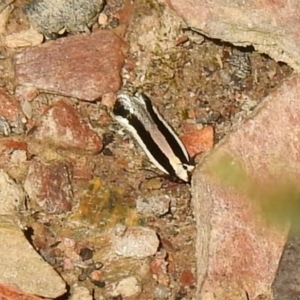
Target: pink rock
[[158, 267], [96, 275], [49, 186], [11, 145], [61, 126], [271, 26], [10, 108], [81, 66], [109, 100], [83, 170], [238, 192], [187, 278]]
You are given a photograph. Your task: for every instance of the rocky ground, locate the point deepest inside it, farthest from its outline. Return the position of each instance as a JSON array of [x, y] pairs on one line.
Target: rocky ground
[[77, 185]]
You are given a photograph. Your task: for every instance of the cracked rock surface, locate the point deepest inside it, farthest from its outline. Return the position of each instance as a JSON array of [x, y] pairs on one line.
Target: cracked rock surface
[[271, 27]]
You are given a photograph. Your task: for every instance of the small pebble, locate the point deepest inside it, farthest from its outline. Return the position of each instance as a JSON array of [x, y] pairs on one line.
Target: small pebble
[[26, 109], [161, 292], [24, 38], [120, 229], [152, 184], [127, 287], [199, 141], [80, 293], [109, 100], [137, 242], [114, 23], [225, 76], [5, 128], [157, 205], [86, 253], [187, 278], [11, 194], [98, 265], [102, 19], [96, 275]]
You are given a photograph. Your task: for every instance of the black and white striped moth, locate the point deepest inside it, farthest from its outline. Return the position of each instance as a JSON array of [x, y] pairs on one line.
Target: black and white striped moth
[[155, 136]]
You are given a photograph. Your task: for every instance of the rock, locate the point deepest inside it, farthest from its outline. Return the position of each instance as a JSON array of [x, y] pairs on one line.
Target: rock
[[49, 186], [24, 38], [26, 93], [127, 287], [83, 171], [22, 267], [161, 292], [51, 17], [13, 157], [4, 127], [157, 31], [11, 111], [27, 109], [5, 11], [198, 140], [96, 276], [159, 268], [67, 246], [80, 293], [286, 284], [187, 278], [12, 195], [151, 184], [120, 229], [10, 293], [137, 242], [157, 205], [244, 195], [109, 100], [272, 27], [102, 19], [62, 127], [83, 66]]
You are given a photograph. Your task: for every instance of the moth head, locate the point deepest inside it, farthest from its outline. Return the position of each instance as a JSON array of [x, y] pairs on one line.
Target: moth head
[[139, 98], [184, 172], [123, 99]]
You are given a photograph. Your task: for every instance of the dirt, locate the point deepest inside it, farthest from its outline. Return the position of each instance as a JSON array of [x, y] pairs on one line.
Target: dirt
[[193, 81]]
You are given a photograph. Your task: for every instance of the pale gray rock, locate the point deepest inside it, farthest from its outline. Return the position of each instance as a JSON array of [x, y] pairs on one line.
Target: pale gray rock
[[52, 17], [12, 196], [161, 292], [136, 242], [80, 293], [154, 205], [127, 287], [22, 267], [4, 126], [12, 117], [24, 38]]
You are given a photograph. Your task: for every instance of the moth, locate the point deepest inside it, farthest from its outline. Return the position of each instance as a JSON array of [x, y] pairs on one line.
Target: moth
[[165, 150]]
